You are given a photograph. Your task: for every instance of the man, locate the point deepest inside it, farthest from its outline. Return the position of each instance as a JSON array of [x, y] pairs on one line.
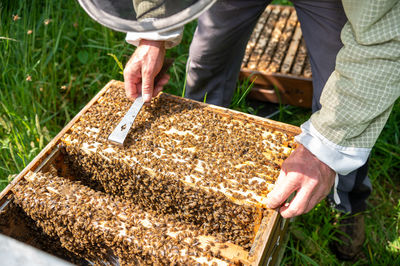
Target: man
[[354, 48]]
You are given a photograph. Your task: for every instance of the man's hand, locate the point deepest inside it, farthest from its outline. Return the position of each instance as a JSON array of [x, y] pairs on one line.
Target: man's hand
[[309, 177], [141, 69]]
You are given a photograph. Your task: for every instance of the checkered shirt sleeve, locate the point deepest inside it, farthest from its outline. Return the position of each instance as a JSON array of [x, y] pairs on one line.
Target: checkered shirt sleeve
[[360, 93]]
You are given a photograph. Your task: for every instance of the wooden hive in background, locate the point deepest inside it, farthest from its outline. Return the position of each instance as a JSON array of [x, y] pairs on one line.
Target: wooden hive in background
[[189, 186], [276, 58]]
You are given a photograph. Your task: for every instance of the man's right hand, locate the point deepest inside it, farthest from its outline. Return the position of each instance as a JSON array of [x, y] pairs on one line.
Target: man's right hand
[[141, 69]]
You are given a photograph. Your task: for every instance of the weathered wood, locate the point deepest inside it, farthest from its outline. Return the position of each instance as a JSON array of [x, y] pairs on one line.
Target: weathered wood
[[263, 39], [291, 53], [293, 90], [307, 68], [269, 236], [300, 58], [274, 40], [255, 35], [284, 42], [276, 63]]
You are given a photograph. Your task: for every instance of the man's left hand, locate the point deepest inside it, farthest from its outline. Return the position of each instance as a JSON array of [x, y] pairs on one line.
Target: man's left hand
[[309, 177]]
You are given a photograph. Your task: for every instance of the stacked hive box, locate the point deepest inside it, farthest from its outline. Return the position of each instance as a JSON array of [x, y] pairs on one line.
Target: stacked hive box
[[189, 186], [277, 56]]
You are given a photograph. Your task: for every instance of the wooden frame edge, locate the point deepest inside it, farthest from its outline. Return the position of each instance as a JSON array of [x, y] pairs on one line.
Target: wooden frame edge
[[262, 238]]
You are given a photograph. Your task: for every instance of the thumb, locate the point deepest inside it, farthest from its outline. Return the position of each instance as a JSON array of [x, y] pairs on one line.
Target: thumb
[[147, 88]]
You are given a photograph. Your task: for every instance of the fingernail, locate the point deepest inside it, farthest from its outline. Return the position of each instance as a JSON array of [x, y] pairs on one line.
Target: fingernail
[[146, 97]]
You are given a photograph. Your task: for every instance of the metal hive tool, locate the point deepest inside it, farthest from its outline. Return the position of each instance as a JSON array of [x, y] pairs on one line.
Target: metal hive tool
[[120, 132]]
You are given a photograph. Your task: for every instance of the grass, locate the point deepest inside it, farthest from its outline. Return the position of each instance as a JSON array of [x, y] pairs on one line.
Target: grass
[[55, 58], [239, 102]]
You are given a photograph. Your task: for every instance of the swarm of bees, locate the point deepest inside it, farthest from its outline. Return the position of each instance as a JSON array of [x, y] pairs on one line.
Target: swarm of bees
[[103, 227], [189, 181]]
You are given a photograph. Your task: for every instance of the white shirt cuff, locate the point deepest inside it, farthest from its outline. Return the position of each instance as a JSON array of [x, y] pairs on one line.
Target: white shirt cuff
[[171, 38], [342, 160]]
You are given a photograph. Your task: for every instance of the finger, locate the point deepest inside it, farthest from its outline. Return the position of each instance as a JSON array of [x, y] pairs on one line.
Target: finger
[[160, 84], [312, 203], [299, 204], [317, 197], [132, 77], [285, 186], [163, 80]]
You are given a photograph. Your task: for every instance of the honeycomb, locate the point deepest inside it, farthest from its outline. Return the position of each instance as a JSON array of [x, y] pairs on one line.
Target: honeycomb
[[104, 227], [188, 187]]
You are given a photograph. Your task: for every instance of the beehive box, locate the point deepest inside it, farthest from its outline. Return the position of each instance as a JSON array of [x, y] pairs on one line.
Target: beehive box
[[189, 186], [276, 56]]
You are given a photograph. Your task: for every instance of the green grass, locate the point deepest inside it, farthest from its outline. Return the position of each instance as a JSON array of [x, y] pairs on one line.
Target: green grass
[[239, 102], [67, 61], [47, 76]]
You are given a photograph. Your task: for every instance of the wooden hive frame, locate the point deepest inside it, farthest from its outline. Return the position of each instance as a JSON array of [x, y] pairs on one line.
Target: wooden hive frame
[[269, 237], [276, 59]]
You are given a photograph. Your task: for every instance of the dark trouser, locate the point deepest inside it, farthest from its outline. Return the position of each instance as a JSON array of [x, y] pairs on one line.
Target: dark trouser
[[219, 45]]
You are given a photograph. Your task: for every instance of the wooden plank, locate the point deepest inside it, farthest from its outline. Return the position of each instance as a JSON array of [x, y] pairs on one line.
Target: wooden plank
[[293, 90], [276, 244], [284, 240], [256, 35], [300, 58], [284, 42], [274, 40], [307, 68], [283, 60], [51, 145], [258, 250], [273, 244], [291, 53], [264, 38]]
